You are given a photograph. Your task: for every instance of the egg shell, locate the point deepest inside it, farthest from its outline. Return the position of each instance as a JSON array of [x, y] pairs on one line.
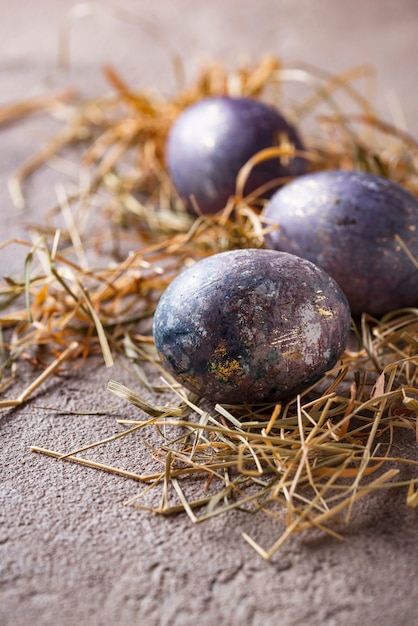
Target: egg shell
[[251, 326], [352, 224], [212, 139]]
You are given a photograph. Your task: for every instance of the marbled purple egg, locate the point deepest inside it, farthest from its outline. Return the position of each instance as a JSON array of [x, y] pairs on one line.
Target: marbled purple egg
[[213, 138], [360, 228], [251, 326]]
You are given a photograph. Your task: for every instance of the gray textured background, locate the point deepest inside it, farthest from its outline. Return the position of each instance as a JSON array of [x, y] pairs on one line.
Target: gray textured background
[[70, 552]]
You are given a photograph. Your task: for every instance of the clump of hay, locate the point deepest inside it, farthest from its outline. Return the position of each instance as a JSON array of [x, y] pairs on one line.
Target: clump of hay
[[307, 462]]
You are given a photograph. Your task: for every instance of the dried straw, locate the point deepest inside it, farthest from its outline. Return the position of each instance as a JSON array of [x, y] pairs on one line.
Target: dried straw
[[305, 463]]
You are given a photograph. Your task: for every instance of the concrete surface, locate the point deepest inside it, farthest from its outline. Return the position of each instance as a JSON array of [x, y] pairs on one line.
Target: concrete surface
[[70, 552]]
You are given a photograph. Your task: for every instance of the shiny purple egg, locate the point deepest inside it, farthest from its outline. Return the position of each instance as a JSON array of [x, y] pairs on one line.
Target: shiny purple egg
[[210, 142]]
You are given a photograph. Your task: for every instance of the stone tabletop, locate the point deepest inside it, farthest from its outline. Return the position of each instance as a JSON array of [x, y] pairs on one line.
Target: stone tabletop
[[71, 552]]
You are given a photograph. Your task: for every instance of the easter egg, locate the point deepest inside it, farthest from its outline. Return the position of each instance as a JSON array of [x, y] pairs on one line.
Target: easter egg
[[212, 139], [251, 326], [362, 229]]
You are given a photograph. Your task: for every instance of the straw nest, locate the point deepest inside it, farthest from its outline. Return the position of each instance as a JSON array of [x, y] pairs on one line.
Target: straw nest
[[94, 290]]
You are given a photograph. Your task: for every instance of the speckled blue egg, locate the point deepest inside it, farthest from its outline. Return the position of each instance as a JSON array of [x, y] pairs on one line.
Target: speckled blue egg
[[362, 229], [251, 326]]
